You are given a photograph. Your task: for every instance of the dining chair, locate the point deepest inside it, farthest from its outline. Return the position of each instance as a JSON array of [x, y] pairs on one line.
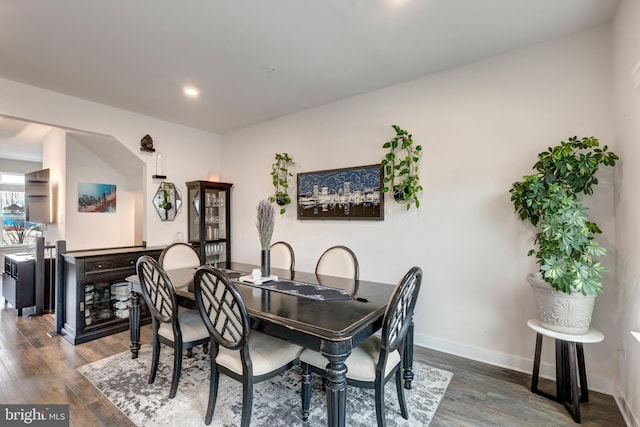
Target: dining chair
[[174, 326], [339, 261], [378, 358], [282, 256], [237, 351], [179, 255]]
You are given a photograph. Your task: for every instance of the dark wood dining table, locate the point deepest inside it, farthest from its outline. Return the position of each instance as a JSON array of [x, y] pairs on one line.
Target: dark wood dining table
[[331, 327]]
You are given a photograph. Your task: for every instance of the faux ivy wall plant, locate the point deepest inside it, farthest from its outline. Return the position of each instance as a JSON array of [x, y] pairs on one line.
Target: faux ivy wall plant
[[401, 171], [280, 177]]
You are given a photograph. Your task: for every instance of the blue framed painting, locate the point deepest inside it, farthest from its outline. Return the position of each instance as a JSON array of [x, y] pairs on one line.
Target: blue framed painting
[[347, 194], [96, 197]]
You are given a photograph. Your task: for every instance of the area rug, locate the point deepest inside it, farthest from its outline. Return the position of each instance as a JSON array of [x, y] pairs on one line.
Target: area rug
[[276, 402]]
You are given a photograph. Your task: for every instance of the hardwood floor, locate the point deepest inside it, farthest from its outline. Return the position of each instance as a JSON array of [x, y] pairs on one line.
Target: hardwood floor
[[37, 369]]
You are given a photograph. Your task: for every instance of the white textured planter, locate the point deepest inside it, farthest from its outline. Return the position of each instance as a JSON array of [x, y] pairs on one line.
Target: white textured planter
[[561, 312]]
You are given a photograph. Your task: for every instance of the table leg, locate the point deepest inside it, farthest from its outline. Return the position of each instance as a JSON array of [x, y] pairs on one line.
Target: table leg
[[336, 390], [407, 358], [134, 324]]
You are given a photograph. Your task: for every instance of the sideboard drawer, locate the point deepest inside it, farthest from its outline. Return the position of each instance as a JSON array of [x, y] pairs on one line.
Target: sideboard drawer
[[109, 264]]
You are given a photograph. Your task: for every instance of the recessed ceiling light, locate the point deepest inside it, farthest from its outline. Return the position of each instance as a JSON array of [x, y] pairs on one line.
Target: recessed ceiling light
[[191, 91]]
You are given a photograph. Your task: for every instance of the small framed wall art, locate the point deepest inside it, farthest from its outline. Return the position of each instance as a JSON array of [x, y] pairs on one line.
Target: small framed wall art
[[96, 197]]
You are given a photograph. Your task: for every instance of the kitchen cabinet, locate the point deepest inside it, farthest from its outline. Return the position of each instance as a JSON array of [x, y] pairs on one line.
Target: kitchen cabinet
[[18, 281]]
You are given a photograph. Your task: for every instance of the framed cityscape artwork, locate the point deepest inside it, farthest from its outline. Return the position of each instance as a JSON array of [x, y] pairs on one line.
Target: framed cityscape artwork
[[349, 193], [96, 197]]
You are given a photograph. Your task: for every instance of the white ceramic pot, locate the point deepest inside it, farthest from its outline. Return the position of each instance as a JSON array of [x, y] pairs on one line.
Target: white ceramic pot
[[561, 312]]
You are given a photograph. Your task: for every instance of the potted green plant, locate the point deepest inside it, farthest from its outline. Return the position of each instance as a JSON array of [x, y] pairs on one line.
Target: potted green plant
[[401, 171], [564, 246], [280, 178], [165, 196]]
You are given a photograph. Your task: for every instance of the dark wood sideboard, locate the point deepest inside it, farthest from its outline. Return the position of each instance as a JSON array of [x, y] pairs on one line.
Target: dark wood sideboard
[[96, 294]]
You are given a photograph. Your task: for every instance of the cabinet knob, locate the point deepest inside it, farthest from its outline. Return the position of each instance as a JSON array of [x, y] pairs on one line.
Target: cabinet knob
[[99, 265]]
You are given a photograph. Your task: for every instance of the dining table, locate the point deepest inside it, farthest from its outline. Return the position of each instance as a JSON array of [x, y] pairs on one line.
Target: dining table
[[328, 314]]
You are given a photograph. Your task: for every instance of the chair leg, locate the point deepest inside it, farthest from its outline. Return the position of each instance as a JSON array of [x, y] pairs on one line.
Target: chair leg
[[177, 366], [379, 389], [190, 352], [213, 391], [400, 389], [247, 400], [306, 391], [155, 357]]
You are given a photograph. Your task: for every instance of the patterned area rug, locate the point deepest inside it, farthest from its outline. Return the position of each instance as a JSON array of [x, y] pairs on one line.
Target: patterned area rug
[[276, 402]]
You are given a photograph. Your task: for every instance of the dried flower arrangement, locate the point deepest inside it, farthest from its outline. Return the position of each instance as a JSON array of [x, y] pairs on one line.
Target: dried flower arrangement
[[265, 223]]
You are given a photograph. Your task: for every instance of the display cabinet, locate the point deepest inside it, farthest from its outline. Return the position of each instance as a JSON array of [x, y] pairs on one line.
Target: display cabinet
[[209, 205], [96, 293]]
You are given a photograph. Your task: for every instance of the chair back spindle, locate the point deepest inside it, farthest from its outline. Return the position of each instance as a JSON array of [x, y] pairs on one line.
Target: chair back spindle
[[157, 289], [399, 312], [226, 317]]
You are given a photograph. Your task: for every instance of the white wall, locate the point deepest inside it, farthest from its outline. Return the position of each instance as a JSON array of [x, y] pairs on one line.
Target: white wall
[[481, 127], [54, 158], [189, 154], [19, 166], [109, 229], [626, 54]]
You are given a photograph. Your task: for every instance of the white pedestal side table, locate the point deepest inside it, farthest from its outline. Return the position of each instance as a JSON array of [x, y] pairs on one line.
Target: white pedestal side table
[[569, 365]]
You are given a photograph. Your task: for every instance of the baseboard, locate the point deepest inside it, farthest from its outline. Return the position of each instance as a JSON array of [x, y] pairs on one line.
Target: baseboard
[[629, 419], [508, 361]]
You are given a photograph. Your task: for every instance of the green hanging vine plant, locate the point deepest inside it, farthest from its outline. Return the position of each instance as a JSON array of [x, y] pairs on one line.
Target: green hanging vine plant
[[280, 178], [401, 169]]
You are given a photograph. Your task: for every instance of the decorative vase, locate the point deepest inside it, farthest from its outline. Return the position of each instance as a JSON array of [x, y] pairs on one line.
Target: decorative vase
[[265, 261], [559, 311]]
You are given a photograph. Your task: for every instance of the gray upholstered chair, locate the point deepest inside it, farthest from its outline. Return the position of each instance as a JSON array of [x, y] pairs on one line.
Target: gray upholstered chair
[[377, 359], [175, 326], [282, 256], [237, 351], [179, 255]]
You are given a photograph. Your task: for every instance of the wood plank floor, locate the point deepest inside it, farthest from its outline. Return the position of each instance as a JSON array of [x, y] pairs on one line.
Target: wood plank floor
[[37, 369]]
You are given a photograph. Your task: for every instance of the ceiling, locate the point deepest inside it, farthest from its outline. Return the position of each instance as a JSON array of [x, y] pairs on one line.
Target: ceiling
[[257, 60]]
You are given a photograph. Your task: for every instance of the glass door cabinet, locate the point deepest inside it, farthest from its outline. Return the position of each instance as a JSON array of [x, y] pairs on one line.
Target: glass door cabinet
[[209, 205]]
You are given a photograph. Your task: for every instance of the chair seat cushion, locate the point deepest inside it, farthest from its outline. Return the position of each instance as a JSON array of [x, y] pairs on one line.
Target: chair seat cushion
[[361, 363], [191, 326], [267, 354]]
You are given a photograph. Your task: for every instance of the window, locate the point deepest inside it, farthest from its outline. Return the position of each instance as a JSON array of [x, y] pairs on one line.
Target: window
[[15, 229]]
